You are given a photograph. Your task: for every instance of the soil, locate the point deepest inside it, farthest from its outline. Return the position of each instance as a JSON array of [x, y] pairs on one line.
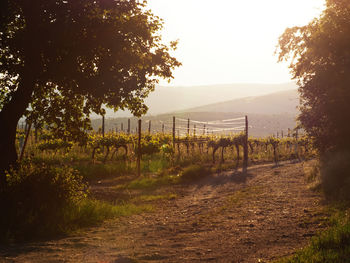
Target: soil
[[268, 213]]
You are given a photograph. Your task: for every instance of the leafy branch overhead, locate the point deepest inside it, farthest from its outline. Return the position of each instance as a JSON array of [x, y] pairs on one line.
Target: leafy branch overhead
[[64, 59], [319, 59]]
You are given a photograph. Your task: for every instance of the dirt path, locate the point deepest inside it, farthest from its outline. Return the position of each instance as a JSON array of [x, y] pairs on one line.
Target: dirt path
[[226, 217]]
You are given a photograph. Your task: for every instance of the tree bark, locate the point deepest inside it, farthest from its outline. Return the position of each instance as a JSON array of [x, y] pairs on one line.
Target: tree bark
[[20, 99], [9, 117]]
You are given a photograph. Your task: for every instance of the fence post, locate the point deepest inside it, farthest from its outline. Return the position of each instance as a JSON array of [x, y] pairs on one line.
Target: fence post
[[149, 127], [139, 150], [204, 129], [163, 128], [174, 132], [128, 126], [188, 127], [122, 127], [103, 125], [245, 146], [29, 126]]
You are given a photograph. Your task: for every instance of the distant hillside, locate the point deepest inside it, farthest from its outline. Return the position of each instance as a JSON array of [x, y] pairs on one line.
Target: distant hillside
[[267, 114], [283, 102], [171, 99]]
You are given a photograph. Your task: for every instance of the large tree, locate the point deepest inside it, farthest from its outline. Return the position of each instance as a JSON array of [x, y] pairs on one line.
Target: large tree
[[319, 56], [66, 58]]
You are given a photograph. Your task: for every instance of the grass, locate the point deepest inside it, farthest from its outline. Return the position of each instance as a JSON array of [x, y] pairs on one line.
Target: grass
[[144, 183], [194, 172], [150, 198], [332, 245], [91, 212]]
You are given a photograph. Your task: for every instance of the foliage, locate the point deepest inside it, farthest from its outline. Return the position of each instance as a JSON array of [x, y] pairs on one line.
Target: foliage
[[36, 197], [194, 172], [335, 175], [320, 61], [42, 202], [54, 145], [62, 60]]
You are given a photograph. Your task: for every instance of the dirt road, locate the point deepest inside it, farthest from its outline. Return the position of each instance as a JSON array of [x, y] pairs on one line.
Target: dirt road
[[227, 217]]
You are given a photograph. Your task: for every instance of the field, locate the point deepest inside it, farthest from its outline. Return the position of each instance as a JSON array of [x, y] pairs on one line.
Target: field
[[191, 201]]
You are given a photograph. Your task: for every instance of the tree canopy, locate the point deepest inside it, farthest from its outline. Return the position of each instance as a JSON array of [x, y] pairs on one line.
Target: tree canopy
[[64, 59], [319, 56]]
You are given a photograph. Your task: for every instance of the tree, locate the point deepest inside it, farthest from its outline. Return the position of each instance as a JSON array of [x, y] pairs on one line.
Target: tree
[[64, 59], [319, 55]]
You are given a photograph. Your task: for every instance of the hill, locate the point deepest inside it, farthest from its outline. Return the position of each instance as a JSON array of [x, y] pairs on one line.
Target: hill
[[267, 114], [283, 102], [177, 98]]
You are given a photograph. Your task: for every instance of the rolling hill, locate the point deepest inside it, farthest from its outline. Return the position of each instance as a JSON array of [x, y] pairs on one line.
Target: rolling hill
[[267, 114]]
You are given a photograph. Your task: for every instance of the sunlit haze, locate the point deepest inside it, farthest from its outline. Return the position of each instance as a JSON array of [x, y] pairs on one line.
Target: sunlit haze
[[230, 41]]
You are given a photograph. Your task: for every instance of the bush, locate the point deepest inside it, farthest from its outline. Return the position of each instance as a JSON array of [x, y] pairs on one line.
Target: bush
[[194, 172], [35, 200], [335, 174]]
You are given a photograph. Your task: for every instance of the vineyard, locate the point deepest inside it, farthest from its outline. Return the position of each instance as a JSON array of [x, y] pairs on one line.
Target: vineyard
[[221, 143]]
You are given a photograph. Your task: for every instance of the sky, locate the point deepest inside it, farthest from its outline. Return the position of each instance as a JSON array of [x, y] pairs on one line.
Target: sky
[[230, 41]]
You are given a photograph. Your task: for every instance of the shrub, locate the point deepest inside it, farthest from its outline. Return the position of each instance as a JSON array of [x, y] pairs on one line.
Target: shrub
[[194, 172], [35, 200], [335, 174]]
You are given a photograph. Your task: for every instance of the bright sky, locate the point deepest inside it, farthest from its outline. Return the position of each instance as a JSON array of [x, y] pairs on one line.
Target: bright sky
[[230, 41]]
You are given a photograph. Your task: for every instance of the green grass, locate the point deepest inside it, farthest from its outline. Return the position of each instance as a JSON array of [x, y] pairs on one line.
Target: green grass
[[144, 183], [91, 212], [150, 198], [332, 245], [194, 172], [91, 171]]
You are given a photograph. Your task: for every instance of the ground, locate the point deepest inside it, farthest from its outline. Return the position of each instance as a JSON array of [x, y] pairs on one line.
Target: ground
[[227, 217]]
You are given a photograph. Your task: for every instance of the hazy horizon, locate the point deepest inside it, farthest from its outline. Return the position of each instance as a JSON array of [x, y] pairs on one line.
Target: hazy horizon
[[166, 99]]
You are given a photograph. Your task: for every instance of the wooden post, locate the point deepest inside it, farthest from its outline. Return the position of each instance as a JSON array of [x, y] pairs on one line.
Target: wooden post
[[139, 150], [128, 126], [29, 126], [149, 127], [204, 129], [103, 125], [188, 127], [245, 147], [122, 127], [174, 132], [163, 128], [276, 134]]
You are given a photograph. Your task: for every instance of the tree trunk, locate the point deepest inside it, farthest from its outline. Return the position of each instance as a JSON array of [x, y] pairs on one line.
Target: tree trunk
[[9, 117]]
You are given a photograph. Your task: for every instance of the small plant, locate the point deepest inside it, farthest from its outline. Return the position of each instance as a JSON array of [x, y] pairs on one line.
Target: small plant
[[194, 172]]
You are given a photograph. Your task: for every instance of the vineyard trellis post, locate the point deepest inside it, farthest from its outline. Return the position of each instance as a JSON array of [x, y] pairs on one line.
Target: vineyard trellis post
[[103, 125], [163, 128], [245, 146], [27, 131], [204, 129], [128, 126], [174, 132], [149, 127], [139, 149], [188, 127]]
